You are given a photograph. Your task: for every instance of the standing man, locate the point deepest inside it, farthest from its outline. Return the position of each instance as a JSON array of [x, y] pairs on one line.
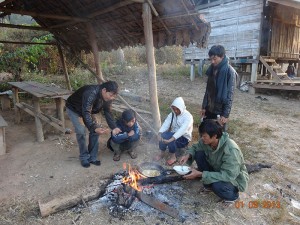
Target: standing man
[[81, 106], [220, 162], [220, 86]]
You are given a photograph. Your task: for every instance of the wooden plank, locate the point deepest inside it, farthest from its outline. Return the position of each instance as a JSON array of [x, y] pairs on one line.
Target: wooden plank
[[40, 90], [293, 4], [277, 87], [41, 116], [26, 43], [22, 27], [269, 60], [273, 73], [51, 118], [43, 15], [270, 81]]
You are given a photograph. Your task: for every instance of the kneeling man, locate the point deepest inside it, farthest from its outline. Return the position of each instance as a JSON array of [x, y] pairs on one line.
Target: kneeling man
[[220, 162]]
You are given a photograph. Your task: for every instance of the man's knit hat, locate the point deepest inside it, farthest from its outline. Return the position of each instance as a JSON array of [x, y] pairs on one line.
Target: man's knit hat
[[128, 115]]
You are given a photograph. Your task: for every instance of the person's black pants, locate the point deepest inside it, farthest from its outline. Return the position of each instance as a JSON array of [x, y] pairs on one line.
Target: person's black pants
[[224, 190]]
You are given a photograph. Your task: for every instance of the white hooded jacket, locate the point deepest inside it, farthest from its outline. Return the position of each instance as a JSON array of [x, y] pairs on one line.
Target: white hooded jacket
[[182, 125]]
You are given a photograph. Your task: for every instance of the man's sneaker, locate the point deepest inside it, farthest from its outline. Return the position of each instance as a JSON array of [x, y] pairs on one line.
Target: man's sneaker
[[85, 164], [96, 163]]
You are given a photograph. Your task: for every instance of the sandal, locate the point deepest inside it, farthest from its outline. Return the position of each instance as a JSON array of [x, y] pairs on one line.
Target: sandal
[[227, 203], [158, 156], [117, 157], [171, 161], [132, 154], [206, 190]]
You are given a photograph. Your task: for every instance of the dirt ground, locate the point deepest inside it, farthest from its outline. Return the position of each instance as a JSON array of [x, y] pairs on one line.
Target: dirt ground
[[268, 131]]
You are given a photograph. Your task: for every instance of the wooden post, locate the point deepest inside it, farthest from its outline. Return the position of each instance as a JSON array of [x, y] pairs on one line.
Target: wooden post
[[5, 102], [3, 124], [60, 110], [16, 100], [64, 67], [147, 21], [254, 72], [38, 122], [95, 50], [298, 69]]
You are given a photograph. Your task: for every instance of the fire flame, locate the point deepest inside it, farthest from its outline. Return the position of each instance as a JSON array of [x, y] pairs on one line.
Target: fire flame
[[132, 178]]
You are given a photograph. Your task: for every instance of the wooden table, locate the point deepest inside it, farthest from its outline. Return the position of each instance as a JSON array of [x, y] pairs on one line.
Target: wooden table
[[39, 91]]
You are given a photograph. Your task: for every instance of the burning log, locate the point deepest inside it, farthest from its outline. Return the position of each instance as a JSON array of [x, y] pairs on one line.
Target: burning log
[[160, 180]]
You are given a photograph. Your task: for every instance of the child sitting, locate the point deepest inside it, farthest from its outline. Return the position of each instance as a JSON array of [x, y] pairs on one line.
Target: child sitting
[[128, 138]]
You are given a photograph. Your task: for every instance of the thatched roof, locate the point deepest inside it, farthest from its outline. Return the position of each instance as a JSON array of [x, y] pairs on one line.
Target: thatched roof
[[117, 23]]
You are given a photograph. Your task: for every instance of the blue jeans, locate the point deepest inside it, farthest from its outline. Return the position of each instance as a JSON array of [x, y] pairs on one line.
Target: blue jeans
[[172, 146], [224, 190], [86, 153]]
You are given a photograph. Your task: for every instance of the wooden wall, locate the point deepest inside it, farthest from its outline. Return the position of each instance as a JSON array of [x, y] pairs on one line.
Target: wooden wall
[[285, 41], [236, 25]]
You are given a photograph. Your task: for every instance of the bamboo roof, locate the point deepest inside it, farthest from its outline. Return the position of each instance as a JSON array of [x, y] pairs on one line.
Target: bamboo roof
[[117, 23]]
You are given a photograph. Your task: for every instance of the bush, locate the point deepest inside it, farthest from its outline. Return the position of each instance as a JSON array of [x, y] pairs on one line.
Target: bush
[[81, 77]]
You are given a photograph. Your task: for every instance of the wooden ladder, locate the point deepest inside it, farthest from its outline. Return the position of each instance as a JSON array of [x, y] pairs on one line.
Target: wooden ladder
[[274, 68]]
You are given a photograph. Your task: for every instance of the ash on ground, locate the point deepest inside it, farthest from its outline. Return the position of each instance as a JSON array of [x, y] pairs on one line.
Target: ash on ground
[[119, 203]]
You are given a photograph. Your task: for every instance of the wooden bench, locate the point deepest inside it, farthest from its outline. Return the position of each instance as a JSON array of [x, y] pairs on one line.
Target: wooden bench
[[3, 124]]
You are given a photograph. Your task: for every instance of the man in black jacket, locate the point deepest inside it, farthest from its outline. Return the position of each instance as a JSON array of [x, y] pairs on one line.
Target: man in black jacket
[[81, 106], [220, 86]]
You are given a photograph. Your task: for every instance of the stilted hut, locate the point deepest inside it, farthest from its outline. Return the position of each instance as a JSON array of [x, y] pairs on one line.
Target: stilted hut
[[260, 38]]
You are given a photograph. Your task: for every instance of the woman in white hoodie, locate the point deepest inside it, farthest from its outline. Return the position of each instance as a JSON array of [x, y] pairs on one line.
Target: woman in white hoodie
[[176, 131]]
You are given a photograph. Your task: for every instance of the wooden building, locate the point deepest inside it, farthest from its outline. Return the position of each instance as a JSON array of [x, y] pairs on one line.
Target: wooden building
[[260, 38]]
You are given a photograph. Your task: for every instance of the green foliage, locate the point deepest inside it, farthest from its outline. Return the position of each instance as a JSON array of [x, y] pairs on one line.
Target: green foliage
[[135, 55], [172, 71], [38, 78], [169, 55], [81, 77], [108, 70], [29, 54]]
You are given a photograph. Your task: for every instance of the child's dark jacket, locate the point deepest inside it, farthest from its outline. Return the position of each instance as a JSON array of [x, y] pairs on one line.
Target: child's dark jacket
[[123, 136]]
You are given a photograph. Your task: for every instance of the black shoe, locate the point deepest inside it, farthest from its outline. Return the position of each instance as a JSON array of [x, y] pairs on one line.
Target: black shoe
[[85, 164], [96, 163]]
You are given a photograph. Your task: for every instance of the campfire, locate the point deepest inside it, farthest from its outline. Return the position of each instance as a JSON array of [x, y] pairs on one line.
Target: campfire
[[129, 187], [133, 177]]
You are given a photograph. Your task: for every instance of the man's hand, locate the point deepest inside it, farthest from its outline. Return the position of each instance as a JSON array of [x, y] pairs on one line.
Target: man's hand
[[223, 120], [159, 137], [184, 159], [101, 130], [168, 141], [193, 175], [116, 131], [202, 113], [131, 133]]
